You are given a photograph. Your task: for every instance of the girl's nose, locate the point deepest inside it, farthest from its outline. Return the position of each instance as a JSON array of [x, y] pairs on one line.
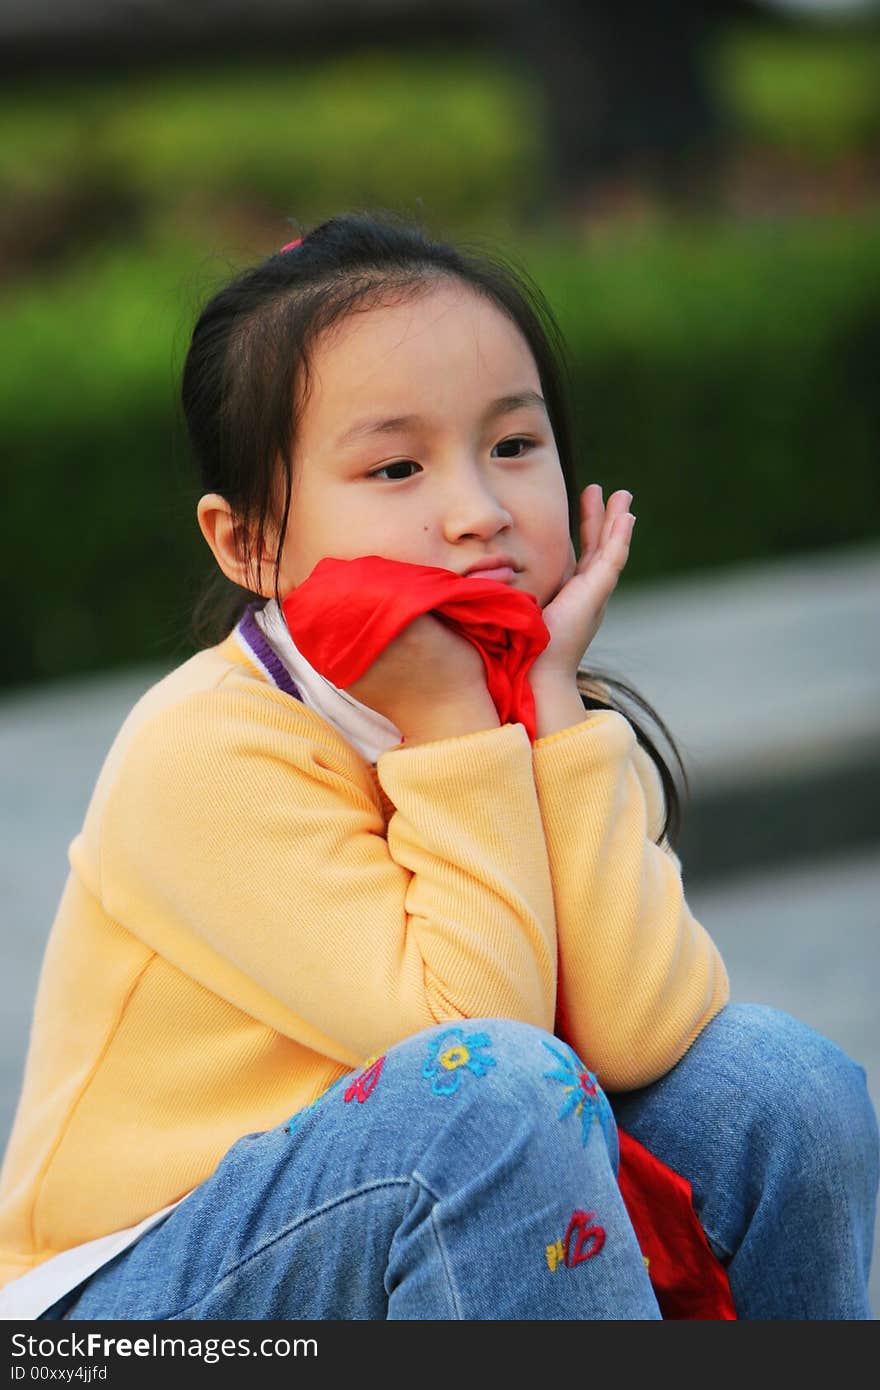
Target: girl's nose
[[473, 509]]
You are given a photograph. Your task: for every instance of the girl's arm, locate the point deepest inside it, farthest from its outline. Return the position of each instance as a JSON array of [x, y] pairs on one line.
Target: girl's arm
[[639, 976], [246, 841]]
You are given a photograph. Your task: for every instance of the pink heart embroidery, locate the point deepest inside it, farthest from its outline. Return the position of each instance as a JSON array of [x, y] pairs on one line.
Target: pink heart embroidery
[[585, 1236], [363, 1085]]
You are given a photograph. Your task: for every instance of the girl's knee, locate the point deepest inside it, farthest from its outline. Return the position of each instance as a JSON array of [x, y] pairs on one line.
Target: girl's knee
[[795, 1081], [514, 1068], [511, 1053], [759, 1042]]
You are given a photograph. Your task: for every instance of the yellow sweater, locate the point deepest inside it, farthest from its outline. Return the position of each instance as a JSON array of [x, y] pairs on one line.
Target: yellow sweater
[[253, 908]]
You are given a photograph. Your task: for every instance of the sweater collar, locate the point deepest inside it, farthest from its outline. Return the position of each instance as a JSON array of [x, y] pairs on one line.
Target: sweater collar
[[265, 638]]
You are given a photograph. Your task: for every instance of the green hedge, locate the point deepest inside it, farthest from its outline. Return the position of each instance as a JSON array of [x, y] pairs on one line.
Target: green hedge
[[812, 90], [727, 377], [183, 145], [463, 127]]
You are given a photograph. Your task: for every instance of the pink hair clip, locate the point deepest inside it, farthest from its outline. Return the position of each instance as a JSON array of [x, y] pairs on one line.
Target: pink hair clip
[[290, 245]]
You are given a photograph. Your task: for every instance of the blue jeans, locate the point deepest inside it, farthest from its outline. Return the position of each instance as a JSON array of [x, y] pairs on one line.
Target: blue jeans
[[471, 1174]]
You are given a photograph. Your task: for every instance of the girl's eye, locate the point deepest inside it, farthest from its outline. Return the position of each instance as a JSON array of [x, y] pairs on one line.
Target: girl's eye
[[518, 442], [518, 439], [399, 463]]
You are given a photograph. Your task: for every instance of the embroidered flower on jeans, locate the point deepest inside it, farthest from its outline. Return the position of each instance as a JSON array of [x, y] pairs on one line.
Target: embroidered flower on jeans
[[453, 1053], [582, 1093], [296, 1120], [365, 1082]]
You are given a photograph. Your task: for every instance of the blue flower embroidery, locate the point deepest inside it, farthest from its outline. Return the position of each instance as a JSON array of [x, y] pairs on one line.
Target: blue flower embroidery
[[450, 1054], [582, 1093], [296, 1120]]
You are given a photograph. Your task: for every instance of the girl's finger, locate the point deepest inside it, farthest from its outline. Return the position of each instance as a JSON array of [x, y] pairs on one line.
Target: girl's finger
[[592, 519], [619, 538], [612, 555], [618, 505], [597, 582]]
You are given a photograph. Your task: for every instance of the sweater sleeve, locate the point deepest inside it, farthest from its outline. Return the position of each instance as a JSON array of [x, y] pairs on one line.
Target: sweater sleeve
[[243, 841], [639, 976]]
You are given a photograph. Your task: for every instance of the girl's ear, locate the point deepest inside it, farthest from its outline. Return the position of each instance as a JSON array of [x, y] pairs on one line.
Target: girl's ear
[[226, 536]]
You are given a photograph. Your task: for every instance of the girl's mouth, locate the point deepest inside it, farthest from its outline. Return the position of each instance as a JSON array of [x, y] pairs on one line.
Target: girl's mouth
[[503, 573]]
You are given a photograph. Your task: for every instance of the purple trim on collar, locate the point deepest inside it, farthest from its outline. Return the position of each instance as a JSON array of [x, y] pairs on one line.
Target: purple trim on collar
[[265, 654]]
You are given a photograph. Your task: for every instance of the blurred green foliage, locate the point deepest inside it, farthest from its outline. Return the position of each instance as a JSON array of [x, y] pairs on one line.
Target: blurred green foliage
[[724, 372], [174, 144], [729, 378], [813, 91]]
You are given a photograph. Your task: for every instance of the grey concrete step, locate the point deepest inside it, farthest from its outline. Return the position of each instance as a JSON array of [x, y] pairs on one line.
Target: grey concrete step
[[768, 676], [762, 670]]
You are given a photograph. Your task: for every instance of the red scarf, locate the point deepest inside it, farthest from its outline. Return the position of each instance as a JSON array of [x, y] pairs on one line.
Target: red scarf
[[347, 611], [341, 617]]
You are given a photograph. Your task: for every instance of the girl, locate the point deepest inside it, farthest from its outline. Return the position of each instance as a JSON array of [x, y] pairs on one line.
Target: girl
[[386, 913]]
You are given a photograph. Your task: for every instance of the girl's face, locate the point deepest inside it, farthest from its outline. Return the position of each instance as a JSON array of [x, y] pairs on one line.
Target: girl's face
[[425, 439]]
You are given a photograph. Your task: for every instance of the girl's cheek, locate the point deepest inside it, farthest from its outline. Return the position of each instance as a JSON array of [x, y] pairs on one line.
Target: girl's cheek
[[568, 571], [570, 565]]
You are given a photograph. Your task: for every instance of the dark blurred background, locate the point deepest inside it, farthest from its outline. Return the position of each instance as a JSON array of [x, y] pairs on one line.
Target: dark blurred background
[[696, 187]]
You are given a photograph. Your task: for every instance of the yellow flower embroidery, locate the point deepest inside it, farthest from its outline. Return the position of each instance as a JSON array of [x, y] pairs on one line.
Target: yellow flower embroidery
[[451, 1055], [454, 1057]]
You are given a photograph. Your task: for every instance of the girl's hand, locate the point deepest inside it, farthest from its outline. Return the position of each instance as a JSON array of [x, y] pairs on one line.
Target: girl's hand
[[429, 681], [575, 615]]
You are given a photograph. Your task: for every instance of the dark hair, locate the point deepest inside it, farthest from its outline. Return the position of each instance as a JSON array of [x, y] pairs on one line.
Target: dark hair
[[249, 361]]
